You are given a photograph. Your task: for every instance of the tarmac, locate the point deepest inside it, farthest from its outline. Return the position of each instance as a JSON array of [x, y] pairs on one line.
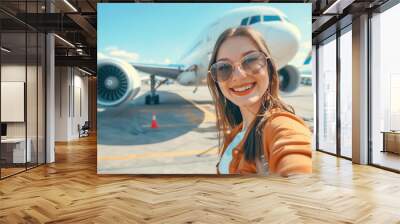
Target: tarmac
[[186, 141]]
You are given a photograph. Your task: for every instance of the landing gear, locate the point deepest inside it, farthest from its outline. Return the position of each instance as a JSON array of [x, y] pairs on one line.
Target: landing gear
[[153, 97]]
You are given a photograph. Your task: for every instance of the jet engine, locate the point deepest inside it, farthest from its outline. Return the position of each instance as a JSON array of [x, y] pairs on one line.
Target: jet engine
[[289, 79], [117, 82]]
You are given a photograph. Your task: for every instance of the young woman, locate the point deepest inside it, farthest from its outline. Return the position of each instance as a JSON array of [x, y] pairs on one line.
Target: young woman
[[259, 132]]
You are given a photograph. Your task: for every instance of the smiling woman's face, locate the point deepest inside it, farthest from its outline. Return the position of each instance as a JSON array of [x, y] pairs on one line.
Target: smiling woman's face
[[242, 89]]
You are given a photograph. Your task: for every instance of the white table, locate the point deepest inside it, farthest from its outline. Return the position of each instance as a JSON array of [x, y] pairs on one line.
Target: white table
[[19, 149]]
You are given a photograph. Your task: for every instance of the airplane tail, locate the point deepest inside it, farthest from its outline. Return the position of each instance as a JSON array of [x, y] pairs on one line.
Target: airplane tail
[[308, 59]]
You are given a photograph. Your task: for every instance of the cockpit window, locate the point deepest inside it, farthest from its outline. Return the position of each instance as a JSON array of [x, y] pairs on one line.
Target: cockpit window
[[255, 19], [271, 18], [244, 21]]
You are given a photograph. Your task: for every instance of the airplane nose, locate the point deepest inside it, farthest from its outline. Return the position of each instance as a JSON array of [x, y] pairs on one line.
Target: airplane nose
[[283, 41]]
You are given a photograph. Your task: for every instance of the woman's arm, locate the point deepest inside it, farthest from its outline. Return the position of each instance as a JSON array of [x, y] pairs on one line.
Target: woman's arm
[[288, 144]]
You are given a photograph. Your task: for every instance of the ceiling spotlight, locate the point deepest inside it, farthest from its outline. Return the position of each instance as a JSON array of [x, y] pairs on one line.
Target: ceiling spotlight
[[5, 50], [70, 5], [64, 40], [84, 71], [337, 7], [79, 51]]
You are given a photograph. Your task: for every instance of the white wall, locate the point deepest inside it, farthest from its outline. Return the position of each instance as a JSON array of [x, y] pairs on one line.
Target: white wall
[[61, 103], [14, 73], [33, 126], [81, 104], [71, 94]]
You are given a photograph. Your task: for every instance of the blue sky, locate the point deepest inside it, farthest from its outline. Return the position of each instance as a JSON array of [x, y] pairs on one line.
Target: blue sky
[[161, 33]]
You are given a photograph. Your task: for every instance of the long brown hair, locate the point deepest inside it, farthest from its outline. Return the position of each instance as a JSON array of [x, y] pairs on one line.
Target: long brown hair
[[228, 114]]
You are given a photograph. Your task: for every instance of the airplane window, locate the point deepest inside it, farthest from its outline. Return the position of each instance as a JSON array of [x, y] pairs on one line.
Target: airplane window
[[271, 18], [244, 21], [254, 19]]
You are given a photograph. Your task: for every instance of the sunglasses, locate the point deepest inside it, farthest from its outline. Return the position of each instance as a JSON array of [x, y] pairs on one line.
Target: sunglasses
[[251, 64]]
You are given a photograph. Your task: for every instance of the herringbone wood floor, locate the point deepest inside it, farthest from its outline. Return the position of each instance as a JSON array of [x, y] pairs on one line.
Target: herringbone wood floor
[[70, 191]]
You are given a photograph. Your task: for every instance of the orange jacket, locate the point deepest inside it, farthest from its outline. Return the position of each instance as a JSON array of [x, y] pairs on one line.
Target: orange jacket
[[287, 146]]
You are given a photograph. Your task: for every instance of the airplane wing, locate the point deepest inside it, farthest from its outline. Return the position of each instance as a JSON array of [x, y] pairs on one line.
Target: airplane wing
[[170, 71]]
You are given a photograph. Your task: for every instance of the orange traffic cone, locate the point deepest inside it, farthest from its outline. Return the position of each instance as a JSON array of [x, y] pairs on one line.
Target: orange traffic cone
[[154, 121]]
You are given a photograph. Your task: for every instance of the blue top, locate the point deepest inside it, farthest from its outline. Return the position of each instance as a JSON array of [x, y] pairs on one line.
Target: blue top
[[226, 159]]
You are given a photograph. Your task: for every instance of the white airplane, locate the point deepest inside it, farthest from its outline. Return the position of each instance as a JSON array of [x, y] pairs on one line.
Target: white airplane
[[119, 82]]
